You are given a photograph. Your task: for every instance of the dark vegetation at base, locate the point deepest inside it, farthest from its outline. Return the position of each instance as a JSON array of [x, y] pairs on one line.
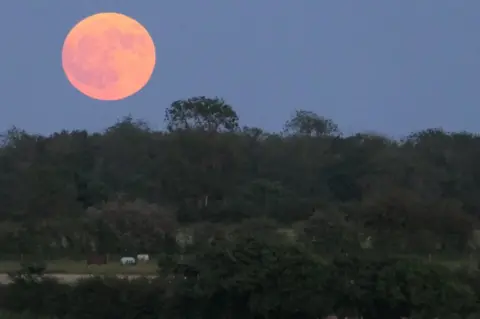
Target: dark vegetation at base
[[251, 278]]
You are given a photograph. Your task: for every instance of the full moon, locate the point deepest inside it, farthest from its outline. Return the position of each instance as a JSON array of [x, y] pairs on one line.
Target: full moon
[[108, 56]]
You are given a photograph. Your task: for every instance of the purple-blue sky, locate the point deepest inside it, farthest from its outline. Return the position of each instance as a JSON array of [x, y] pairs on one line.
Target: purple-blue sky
[[376, 65]]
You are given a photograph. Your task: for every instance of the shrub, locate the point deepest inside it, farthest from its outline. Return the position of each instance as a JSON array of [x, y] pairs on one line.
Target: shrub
[[394, 288], [116, 298], [42, 297], [29, 271]]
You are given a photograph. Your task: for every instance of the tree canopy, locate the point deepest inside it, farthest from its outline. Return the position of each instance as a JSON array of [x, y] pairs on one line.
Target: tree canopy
[[128, 187]]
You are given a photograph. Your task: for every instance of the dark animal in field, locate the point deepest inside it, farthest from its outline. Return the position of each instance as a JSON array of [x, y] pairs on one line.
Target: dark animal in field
[[95, 259]]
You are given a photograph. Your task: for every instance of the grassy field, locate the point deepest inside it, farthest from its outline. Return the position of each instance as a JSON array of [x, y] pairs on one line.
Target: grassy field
[[80, 267], [115, 268]]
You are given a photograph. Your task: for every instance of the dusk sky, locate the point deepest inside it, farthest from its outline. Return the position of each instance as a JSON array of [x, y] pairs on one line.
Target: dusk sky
[[390, 66]]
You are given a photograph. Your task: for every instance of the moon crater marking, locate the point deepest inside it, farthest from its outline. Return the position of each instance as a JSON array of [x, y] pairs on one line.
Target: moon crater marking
[[92, 70]]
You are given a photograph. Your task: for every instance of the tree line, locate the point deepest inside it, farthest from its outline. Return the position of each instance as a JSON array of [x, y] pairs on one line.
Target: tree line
[[131, 188]]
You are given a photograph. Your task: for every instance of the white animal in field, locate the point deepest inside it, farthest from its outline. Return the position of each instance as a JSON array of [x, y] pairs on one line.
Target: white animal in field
[[128, 261], [143, 257]]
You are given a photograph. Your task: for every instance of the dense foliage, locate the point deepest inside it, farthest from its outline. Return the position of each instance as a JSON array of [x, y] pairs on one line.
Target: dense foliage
[[130, 187], [244, 223], [249, 277]]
